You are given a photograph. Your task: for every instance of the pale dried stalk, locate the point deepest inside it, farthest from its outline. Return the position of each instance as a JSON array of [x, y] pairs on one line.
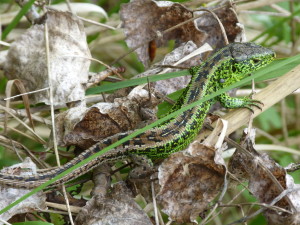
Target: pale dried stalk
[[74, 209], [49, 72], [97, 23]]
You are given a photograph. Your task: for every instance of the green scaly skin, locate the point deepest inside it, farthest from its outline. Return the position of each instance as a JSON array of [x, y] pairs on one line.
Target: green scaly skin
[[229, 65]]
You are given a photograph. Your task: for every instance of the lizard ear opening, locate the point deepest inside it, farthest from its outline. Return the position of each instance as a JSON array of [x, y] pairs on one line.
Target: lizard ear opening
[[222, 81]]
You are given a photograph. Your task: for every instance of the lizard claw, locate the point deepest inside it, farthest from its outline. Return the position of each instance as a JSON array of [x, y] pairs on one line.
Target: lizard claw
[[252, 102]]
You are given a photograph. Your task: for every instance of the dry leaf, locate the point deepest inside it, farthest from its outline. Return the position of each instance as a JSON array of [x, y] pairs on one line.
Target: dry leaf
[[100, 121], [259, 170], [191, 179], [84, 127], [26, 59], [118, 207], [189, 182], [142, 19]]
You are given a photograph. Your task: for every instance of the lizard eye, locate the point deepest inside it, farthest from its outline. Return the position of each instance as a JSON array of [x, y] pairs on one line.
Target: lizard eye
[[222, 80], [256, 60]]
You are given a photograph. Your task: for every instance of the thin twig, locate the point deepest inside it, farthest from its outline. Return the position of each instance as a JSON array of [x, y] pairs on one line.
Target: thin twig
[[249, 126], [264, 13], [275, 200], [268, 136], [22, 112], [284, 11], [6, 142], [51, 94], [69, 6], [74, 209], [67, 203], [221, 205], [273, 207], [4, 222], [154, 204], [17, 131], [292, 167], [4, 43], [26, 93], [97, 23]]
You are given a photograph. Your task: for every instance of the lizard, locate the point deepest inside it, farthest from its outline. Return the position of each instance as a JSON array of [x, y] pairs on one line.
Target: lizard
[[227, 66]]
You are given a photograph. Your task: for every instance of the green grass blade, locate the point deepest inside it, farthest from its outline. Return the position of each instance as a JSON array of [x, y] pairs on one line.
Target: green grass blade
[[278, 68], [17, 19], [133, 82]]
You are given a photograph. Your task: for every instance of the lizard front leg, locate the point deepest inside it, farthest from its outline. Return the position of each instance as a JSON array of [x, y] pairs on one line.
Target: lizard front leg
[[234, 102]]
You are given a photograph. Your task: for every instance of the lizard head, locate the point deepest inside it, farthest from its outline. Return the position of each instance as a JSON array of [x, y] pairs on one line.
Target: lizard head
[[245, 59], [249, 57]]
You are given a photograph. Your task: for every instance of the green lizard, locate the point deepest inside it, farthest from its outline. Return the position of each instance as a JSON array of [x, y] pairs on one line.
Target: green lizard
[[229, 65]]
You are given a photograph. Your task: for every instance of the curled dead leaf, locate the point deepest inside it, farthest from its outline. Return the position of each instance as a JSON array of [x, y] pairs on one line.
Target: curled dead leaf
[[84, 127], [26, 59], [145, 21], [189, 180]]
